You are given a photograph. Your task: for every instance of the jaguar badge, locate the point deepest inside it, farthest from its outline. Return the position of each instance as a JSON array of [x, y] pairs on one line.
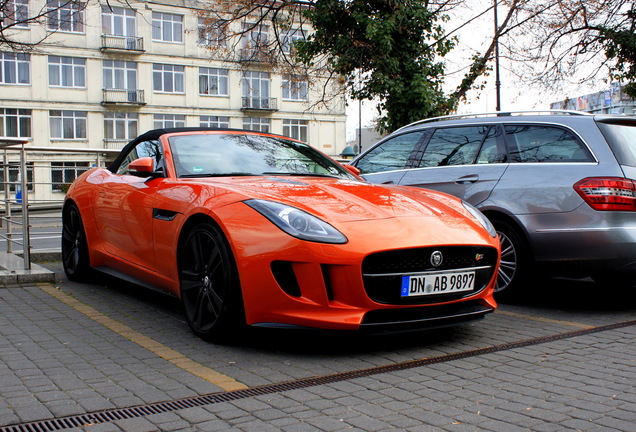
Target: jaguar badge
[[436, 259]]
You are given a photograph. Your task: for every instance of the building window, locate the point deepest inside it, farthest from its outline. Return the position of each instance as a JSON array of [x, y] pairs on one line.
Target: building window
[[120, 126], [66, 16], [213, 82], [163, 121], [67, 72], [295, 89], [256, 90], [68, 124], [14, 68], [255, 37], [167, 78], [121, 75], [167, 27], [15, 176], [256, 124], [297, 129], [15, 123], [118, 21], [214, 121], [15, 13], [63, 173], [289, 38], [212, 33]]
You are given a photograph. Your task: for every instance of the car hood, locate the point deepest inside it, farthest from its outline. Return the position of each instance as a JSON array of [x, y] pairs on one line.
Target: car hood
[[341, 200]]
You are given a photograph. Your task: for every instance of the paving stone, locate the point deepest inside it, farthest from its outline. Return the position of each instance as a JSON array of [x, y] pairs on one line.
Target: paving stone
[[65, 363]]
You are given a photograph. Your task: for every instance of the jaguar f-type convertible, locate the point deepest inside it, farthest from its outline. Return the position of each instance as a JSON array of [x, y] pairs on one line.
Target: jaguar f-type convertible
[[254, 229]]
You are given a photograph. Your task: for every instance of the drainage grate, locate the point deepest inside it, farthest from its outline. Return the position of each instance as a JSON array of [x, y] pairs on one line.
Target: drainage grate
[[197, 401]]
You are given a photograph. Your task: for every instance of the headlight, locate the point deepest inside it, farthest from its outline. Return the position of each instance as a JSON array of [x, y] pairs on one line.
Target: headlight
[[297, 223], [483, 220]]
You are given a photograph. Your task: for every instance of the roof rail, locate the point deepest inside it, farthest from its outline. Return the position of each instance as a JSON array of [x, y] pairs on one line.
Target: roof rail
[[497, 114]]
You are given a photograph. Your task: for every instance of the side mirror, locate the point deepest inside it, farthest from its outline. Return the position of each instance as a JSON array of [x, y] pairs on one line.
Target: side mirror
[[353, 170], [143, 167]]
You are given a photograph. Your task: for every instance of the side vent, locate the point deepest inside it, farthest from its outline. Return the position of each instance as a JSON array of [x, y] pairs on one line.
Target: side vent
[[283, 272], [327, 278]]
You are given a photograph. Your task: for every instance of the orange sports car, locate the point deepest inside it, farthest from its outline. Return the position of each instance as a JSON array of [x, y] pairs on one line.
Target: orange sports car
[[256, 229]]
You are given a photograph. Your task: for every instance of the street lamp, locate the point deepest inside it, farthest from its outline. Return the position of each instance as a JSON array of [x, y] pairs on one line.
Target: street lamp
[[497, 81]]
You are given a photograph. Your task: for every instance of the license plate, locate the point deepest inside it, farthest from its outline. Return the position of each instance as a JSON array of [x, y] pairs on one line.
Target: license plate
[[437, 283]]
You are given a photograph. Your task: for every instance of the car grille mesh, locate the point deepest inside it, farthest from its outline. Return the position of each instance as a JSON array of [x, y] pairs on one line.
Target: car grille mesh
[[383, 271]]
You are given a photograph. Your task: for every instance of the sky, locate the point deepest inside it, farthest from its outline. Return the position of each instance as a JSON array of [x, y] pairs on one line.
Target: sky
[[515, 96]]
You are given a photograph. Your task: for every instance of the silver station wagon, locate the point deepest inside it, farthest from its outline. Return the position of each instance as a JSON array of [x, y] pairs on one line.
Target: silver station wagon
[[558, 186]]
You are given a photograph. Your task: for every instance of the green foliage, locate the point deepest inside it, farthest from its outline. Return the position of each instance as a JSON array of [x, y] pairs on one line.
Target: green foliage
[[394, 46], [620, 45]]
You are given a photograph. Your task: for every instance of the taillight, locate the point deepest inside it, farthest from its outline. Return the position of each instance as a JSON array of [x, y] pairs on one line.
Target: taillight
[[608, 193]]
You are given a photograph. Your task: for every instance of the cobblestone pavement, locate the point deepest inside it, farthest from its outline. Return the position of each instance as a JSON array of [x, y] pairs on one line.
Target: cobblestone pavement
[[110, 356]]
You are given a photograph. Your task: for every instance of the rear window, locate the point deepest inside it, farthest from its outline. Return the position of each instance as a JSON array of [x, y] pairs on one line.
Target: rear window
[[622, 140], [539, 143]]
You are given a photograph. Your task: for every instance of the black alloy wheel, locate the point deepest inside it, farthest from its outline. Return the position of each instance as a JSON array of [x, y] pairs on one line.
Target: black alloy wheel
[[210, 292], [74, 245]]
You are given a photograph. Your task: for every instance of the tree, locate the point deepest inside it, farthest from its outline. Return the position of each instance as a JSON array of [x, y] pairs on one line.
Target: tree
[[620, 45], [386, 50], [572, 42], [16, 15]]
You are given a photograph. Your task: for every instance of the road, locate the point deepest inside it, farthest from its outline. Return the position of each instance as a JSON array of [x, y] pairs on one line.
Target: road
[[45, 230]]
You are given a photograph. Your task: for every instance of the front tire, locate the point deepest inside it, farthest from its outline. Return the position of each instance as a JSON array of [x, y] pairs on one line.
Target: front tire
[[210, 290], [75, 258]]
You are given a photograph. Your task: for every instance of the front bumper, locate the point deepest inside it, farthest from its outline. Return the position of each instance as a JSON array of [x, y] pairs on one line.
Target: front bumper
[[290, 282]]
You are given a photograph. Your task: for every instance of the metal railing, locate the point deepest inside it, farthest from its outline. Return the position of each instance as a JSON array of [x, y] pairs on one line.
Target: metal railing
[[124, 43], [259, 103], [134, 97], [23, 203]]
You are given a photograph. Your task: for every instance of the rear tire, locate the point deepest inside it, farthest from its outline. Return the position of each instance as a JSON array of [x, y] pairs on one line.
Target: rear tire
[[210, 290], [75, 257]]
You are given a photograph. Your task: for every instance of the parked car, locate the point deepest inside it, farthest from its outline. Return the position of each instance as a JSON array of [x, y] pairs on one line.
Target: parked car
[[558, 186], [256, 229]]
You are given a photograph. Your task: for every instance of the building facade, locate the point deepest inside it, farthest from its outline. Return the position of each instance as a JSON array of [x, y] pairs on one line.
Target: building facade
[[611, 101], [111, 71]]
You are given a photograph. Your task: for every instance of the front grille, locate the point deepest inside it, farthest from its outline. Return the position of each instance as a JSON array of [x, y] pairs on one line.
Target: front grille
[[383, 271]]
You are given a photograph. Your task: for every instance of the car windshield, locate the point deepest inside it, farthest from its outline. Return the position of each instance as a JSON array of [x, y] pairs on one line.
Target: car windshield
[[622, 139], [216, 154]]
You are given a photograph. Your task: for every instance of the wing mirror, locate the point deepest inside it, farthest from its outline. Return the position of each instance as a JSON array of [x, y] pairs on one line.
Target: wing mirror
[[144, 167], [353, 170]]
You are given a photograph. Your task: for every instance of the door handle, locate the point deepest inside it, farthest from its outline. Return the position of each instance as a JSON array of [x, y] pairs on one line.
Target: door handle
[[467, 179]]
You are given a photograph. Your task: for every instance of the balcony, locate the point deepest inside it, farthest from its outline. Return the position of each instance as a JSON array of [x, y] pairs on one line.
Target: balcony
[[259, 104], [123, 96], [255, 55], [122, 44]]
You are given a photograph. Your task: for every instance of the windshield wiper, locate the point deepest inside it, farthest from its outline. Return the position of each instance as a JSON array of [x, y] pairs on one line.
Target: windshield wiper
[[230, 174], [301, 174]]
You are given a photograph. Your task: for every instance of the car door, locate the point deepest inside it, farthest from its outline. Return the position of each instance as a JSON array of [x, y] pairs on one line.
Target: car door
[[123, 209], [545, 163], [388, 161], [464, 161]]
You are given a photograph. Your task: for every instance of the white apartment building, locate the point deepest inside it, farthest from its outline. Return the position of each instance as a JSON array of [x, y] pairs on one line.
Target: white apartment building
[[117, 69]]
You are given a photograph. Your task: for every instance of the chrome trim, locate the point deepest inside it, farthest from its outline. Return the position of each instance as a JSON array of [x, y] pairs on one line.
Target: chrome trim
[[585, 229], [426, 272]]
